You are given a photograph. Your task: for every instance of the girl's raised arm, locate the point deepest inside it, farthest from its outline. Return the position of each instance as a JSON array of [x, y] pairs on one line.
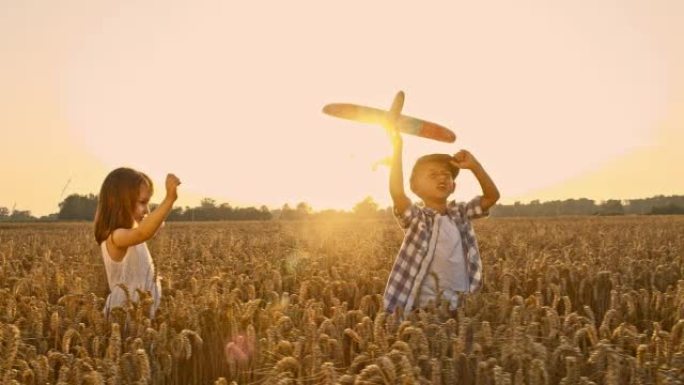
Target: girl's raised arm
[[124, 238]]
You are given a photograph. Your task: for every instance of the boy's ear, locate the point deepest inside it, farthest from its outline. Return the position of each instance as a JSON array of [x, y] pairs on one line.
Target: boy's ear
[[412, 186]]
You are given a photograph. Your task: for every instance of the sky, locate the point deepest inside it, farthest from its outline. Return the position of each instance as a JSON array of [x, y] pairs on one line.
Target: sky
[[556, 99]]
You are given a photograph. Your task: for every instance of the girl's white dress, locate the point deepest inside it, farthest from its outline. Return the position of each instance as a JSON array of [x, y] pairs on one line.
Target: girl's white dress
[[135, 271]]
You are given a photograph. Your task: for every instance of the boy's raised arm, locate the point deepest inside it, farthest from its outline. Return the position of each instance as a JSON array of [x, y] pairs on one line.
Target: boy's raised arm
[[490, 194], [399, 199]]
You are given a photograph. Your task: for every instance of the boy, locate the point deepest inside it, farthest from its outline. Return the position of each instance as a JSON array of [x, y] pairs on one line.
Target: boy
[[439, 237]]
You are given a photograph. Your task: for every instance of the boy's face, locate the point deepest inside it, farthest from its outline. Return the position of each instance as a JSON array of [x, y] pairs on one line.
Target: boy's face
[[433, 181]]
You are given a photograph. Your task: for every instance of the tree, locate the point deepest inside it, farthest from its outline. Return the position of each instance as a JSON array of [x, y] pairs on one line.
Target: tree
[[612, 207], [78, 207], [176, 214], [264, 213], [208, 203], [286, 212], [366, 208], [303, 210], [667, 210], [4, 213], [224, 211], [21, 215]]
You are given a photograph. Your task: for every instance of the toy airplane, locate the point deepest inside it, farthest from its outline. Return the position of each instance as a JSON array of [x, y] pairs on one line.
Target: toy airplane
[[405, 124]]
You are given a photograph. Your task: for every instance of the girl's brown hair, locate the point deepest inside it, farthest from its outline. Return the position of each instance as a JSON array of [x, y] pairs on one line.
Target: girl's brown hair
[[116, 203]]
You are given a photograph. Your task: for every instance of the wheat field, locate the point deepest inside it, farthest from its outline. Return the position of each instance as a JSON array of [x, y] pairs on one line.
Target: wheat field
[[566, 301]]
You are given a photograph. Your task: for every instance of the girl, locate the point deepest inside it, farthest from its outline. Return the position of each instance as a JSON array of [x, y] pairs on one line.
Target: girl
[[123, 223]]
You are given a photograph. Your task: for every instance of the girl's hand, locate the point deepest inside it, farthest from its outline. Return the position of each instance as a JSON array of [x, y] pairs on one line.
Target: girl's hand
[[172, 183], [464, 159]]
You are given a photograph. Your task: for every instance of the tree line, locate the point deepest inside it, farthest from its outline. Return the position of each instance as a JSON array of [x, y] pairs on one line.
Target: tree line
[[657, 205], [77, 207]]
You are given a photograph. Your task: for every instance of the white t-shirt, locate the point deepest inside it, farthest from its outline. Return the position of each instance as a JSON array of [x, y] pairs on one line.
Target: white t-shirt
[[448, 264]]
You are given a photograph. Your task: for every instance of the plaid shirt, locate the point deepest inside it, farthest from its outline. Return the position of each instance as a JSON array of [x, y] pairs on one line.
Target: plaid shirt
[[417, 250]]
